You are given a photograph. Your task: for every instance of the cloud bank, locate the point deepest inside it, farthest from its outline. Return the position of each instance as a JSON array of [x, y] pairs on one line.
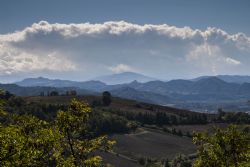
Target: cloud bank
[[88, 50]]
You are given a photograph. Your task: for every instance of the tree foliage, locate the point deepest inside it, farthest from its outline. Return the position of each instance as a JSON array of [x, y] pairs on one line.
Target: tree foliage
[[228, 147], [26, 140]]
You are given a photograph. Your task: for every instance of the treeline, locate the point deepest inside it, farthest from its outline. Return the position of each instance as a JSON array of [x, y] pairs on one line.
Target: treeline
[[160, 118], [233, 117], [47, 112], [99, 122]]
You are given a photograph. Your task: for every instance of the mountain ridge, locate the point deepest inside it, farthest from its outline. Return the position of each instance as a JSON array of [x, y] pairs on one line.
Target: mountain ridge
[[206, 89], [228, 78]]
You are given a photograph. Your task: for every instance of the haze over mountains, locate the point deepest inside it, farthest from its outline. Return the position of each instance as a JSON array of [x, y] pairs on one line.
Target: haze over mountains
[[125, 77], [201, 90], [121, 78]]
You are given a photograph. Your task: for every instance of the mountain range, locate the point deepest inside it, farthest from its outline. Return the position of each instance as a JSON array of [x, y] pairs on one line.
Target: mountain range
[[229, 78], [213, 89]]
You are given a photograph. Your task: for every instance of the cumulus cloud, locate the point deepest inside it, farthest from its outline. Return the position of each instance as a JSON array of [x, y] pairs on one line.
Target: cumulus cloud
[[95, 49], [14, 60], [122, 68]]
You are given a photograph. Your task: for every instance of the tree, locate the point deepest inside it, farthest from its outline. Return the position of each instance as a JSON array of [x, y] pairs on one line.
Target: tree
[[26, 140], [74, 125], [106, 98], [181, 161], [54, 93], [226, 147], [73, 93]]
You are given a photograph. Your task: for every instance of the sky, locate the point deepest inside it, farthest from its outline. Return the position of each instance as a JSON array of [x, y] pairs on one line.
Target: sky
[[80, 39]]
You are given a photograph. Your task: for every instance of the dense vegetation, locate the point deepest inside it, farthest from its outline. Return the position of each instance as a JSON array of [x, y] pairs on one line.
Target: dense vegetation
[[229, 147], [26, 140], [105, 119], [37, 131], [233, 117]]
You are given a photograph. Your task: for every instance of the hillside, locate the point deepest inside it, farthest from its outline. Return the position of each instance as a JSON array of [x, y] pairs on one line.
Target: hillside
[[145, 141], [141, 130]]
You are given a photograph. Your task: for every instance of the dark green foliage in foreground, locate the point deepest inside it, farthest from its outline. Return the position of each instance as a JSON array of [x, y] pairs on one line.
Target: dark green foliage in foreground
[[228, 147], [26, 140]]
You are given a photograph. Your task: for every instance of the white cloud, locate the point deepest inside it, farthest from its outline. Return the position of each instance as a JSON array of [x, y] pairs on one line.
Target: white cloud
[[232, 61], [14, 60], [90, 48], [121, 68]]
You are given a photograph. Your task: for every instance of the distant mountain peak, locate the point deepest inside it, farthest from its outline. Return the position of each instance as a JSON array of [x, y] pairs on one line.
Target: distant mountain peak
[[124, 77], [41, 77], [228, 78], [134, 82]]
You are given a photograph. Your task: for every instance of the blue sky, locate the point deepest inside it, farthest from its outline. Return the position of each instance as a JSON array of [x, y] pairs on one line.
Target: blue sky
[[163, 39], [230, 15]]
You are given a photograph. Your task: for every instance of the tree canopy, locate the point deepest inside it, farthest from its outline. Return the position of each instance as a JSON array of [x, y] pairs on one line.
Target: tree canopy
[[228, 147], [26, 140]]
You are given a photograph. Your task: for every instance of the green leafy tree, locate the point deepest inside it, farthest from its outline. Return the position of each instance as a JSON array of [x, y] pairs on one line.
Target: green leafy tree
[[228, 147], [74, 125], [26, 140]]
